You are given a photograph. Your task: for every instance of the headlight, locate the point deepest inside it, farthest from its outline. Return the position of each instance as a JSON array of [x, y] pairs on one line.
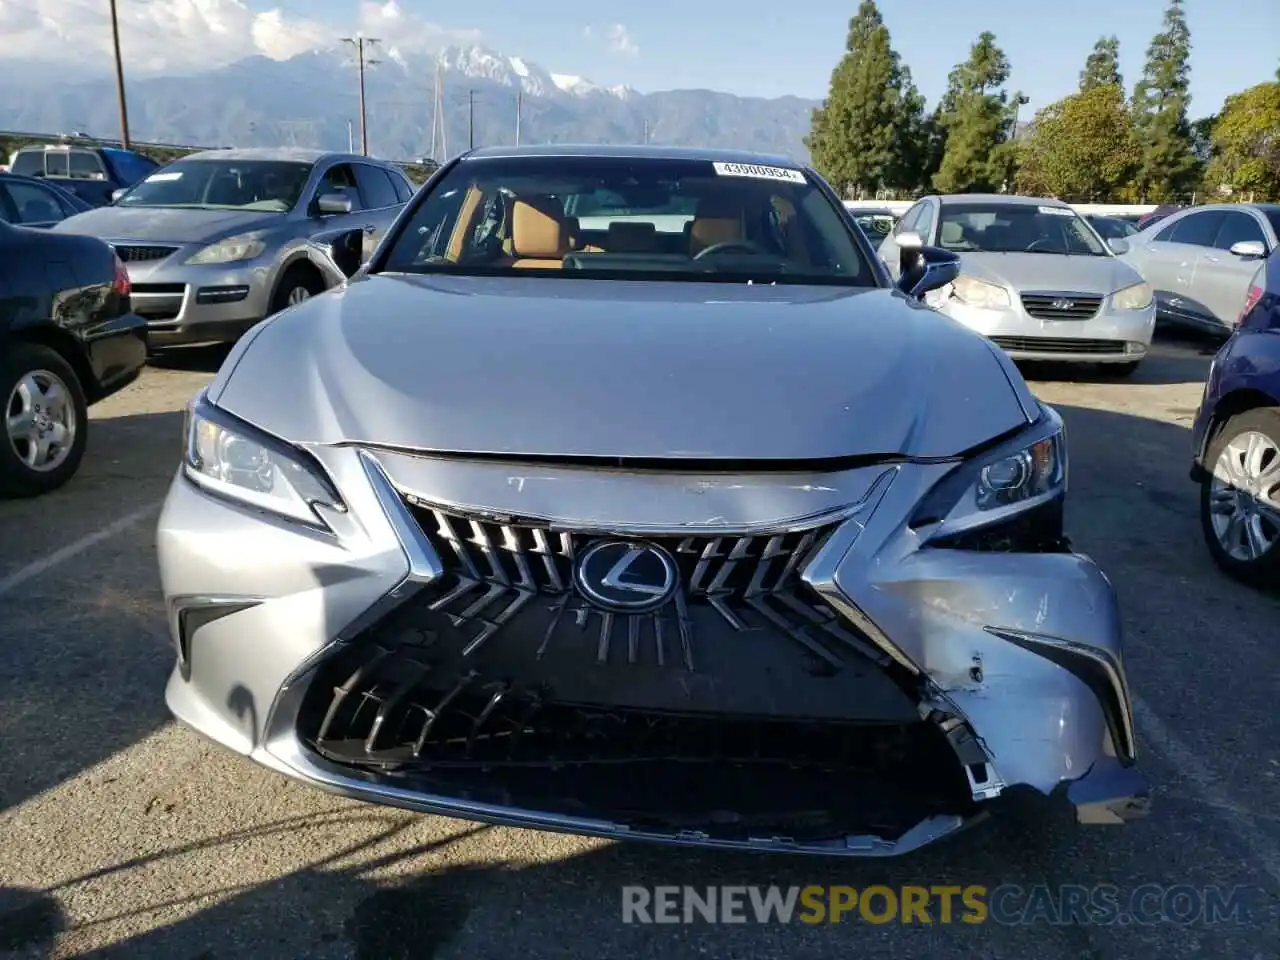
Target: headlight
[[1015, 476], [979, 293], [231, 459], [246, 246], [1136, 297]]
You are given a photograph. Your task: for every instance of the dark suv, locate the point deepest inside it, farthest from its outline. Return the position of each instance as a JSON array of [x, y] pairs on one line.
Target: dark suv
[[90, 172]]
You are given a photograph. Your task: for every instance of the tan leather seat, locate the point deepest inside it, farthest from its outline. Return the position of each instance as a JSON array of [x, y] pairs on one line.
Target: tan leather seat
[[631, 238], [716, 220], [540, 235]]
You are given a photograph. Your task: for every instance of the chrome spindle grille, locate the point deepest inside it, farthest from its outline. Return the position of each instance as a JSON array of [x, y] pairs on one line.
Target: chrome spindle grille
[[499, 573]]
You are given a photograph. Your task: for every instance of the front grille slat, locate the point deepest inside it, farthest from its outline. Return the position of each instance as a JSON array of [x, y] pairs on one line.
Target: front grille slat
[[1061, 306], [1082, 345], [142, 252]]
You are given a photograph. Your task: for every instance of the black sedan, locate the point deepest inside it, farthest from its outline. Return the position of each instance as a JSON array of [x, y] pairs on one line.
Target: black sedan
[[31, 202], [68, 338]]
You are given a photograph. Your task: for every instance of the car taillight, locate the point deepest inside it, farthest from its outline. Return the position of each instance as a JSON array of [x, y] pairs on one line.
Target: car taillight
[[1250, 301], [122, 284]]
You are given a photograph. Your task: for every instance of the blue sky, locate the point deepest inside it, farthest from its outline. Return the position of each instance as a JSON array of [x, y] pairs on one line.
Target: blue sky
[[762, 47]]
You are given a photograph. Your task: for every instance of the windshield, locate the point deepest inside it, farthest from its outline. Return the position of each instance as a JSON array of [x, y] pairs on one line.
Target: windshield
[[268, 185], [630, 219], [1016, 228]]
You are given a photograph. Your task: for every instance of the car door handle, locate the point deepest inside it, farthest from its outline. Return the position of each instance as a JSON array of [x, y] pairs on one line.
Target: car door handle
[[370, 227]]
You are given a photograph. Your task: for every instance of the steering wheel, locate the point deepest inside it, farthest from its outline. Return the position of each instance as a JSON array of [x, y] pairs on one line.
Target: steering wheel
[[1043, 241], [746, 246]]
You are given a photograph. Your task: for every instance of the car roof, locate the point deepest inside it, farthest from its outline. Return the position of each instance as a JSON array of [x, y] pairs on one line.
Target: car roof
[[299, 154], [1006, 198], [634, 152]]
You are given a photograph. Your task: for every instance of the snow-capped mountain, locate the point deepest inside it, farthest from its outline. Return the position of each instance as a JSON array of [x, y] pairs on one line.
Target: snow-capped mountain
[[310, 99]]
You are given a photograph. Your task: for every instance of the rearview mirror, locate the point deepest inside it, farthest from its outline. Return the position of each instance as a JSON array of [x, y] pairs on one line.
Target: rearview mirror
[[926, 268], [1249, 249], [1118, 245], [338, 255], [333, 203]]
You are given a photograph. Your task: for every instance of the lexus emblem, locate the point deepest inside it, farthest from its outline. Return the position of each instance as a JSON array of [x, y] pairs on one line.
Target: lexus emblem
[[626, 576], [1063, 304]]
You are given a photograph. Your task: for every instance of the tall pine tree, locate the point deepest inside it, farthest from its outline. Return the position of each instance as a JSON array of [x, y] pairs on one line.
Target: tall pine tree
[[865, 135], [1169, 168], [978, 120], [1102, 68]]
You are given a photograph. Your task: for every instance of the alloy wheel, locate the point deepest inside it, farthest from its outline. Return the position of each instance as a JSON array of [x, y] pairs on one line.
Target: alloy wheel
[[40, 421], [1244, 496], [297, 295]]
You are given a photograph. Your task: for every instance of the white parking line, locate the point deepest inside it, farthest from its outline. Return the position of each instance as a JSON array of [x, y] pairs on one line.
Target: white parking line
[[18, 578], [1205, 785]]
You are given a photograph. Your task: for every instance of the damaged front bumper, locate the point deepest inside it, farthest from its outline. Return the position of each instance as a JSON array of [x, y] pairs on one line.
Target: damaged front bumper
[[430, 652]]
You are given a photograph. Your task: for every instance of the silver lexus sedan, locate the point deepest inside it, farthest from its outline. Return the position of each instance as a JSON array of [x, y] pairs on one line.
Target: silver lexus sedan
[[621, 492], [216, 241], [1036, 278]]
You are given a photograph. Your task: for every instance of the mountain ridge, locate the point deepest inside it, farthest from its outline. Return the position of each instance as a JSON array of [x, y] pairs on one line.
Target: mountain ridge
[[308, 99]]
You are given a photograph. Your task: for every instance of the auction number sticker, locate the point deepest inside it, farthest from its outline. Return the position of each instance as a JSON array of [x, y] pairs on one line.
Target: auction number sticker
[[165, 177], [759, 172], [1058, 211]]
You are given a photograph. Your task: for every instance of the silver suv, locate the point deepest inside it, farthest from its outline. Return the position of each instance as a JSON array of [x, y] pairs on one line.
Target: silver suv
[[217, 241]]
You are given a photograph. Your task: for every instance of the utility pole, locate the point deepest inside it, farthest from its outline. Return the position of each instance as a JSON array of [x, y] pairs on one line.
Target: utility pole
[[519, 110], [646, 132], [351, 139], [471, 119], [360, 42], [124, 107]]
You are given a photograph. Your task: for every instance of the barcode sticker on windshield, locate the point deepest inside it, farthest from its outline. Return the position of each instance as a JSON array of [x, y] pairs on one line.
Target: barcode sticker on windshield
[[1058, 211], [162, 177], [759, 172]]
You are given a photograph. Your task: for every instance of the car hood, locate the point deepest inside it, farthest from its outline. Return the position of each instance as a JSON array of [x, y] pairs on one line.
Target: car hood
[[1050, 273], [167, 224], [597, 368]]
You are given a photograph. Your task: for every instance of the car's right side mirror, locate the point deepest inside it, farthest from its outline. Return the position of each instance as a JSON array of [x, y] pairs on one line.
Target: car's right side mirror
[[330, 204], [337, 254], [924, 268], [1249, 249], [1118, 245]]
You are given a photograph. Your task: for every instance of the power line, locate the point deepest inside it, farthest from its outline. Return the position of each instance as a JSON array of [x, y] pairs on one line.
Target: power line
[[359, 43]]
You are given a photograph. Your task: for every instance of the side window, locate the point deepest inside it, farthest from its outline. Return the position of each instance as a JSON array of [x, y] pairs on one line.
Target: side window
[[375, 187], [404, 189], [1198, 230], [341, 179], [1236, 228], [85, 165], [56, 163], [31, 203], [29, 163], [1166, 235], [907, 223], [924, 222]]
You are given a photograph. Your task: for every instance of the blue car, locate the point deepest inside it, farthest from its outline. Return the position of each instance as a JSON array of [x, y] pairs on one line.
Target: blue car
[[1237, 439]]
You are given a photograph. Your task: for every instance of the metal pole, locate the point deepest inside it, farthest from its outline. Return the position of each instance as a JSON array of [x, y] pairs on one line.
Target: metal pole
[[646, 132], [364, 132], [351, 139], [519, 106], [124, 107], [471, 119]]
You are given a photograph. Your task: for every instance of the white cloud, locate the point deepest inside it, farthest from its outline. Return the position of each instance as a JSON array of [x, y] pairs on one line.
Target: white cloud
[[616, 37], [186, 35]]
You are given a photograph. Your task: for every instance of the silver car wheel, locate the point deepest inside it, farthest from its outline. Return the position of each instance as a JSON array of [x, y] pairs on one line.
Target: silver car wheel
[[1244, 496], [297, 295], [40, 421]]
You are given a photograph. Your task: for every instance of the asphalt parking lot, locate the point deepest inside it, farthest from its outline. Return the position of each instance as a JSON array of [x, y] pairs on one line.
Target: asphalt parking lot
[[122, 834]]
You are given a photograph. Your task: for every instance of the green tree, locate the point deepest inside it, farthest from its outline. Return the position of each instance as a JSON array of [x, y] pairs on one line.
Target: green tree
[[1081, 148], [1102, 67], [1169, 168], [864, 136], [1245, 144], [978, 120]]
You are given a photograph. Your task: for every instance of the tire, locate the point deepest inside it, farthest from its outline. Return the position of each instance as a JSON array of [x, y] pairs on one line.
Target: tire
[[39, 370], [297, 280], [1254, 560]]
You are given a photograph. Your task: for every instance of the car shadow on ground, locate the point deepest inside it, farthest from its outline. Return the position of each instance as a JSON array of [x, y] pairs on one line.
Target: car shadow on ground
[[206, 359], [1132, 509]]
